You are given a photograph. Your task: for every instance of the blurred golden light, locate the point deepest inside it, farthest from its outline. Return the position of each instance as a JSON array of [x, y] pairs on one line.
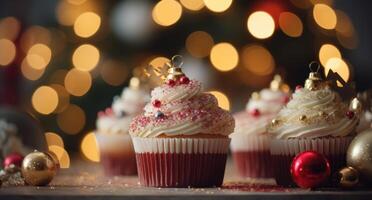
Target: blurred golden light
[[199, 44], [89, 147], [166, 12], [44, 100], [325, 16], [328, 51], [86, 57], [78, 82], [35, 35], [114, 73], [223, 100], [159, 62], [63, 97], [339, 66], [258, 60], [261, 25], [29, 72], [76, 2], [290, 24], [54, 139], [7, 52], [344, 25], [62, 155], [68, 11], [193, 5], [87, 24], [224, 56], [71, 120], [217, 5], [9, 28], [38, 56]]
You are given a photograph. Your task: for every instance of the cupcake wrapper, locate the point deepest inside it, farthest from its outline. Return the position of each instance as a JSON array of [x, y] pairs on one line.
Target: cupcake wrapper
[[283, 152], [181, 162], [251, 154]]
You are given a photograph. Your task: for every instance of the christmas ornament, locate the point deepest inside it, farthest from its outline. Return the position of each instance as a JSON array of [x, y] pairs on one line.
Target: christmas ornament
[[310, 169], [314, 81], [348, 177], [156, 103], [14, 158], [159, 114], [184, 80], [359, 155], [175, 71], [39, 168]]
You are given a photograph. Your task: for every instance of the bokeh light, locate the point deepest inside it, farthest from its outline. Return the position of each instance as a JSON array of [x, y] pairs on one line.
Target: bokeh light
[[328, 51], [339, 66], [199, 44], [325, 16], [86, 57], [261, 25], [167, 12], [63, 97], [44, 100], [7, 52], [76, 2], [54, 139], [87, 24], [258, 60], [223, 100], [62, 156], [290, 24], [224, 56], [67, 12], [114, 73], [35, 35], [9, 28], [193, 5], [29, 72], [89, 147], [38, 56], [218, 5], [78, 82], [71, 120]]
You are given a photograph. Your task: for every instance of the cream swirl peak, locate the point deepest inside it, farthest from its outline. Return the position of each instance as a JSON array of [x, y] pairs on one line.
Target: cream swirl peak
[[314, 111], [178, 107]]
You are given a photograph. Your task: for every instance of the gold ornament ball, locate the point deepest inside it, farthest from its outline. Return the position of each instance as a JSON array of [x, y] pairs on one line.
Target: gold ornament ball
[[359, 155], [348, 177], [39, 168]]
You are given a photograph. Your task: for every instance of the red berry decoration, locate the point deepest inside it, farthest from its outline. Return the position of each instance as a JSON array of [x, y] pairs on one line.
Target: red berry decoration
[[310, 169], [350, 114], [298, 87], [14, 158], [255, 112], [286, 99], [184, 80], [156, 103], [171, 82]]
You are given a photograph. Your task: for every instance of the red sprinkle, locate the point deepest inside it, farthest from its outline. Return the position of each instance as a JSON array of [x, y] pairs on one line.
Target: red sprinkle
[[286, 99], [298, 87], [156, 103], [184, 80], [350, 114], [171, 82], [255, 112], [108, 111]]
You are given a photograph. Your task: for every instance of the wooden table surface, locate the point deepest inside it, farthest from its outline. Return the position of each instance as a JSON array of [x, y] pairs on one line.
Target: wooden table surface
[[85, 181]]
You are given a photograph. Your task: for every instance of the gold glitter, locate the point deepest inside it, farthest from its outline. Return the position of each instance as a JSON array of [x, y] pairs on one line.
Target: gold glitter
[[255, 96], [322, 114], [302, 117]]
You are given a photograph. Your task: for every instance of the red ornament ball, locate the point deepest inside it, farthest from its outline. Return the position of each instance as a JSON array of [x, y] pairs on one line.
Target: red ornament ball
[[14, 158], [310, 169], [298, 87], [156, 103], [350, 114], [171, 82], [184, 80], [255, 112]]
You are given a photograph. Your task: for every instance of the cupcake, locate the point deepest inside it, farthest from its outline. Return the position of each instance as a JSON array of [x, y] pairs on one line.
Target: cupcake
[[181, 140], [314, 119], [115, 145], [250, 142]]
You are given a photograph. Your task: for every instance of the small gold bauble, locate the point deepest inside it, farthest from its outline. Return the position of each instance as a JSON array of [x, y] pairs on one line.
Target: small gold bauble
[[359, 155], [356, 105], [255, 96], [175, 71], [348, 177], [274, 122], [39, 168], [134, 83], [302, 118], [314, 81]]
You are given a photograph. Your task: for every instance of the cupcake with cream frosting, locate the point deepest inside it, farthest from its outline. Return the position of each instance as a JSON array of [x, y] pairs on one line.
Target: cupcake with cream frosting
[[181, 140], [250, 142], [115, 144], [315, 119]]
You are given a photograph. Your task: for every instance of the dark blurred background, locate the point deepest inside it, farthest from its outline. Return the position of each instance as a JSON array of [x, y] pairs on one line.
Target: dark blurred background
[[62, 61]]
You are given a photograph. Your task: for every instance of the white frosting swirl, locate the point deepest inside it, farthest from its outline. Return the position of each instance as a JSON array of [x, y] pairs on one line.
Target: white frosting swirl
[[110, 124], [325, 116], [131, 102], [186, 112]]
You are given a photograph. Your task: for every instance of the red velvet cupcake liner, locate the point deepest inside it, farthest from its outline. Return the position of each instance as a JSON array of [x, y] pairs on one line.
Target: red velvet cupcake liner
[[283, 152], [181, 162], [116, 164]]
